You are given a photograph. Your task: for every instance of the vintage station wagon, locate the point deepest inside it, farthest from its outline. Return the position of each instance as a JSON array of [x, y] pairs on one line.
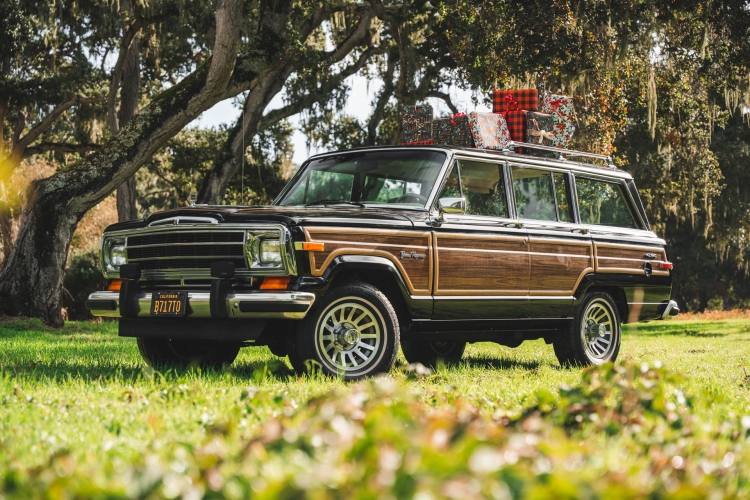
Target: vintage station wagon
[[427, 247]]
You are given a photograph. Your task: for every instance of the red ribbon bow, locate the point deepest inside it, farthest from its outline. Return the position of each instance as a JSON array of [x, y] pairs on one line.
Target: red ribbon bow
[[510, 103], [454, 118]]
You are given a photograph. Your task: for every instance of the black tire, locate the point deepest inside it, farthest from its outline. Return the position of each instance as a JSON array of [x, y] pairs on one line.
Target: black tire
[[594, 336], [352, 314], [170, 353], [431, 352]]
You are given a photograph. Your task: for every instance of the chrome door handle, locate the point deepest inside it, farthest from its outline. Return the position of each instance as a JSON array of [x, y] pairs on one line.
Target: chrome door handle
[[581, 230], [517, 225]]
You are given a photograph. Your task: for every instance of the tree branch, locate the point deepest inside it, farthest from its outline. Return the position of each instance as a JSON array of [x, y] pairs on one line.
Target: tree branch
[[355, 37], [35, 132], [59, 147], [114, 84], [320, 93], [445, 97], [383, 98]]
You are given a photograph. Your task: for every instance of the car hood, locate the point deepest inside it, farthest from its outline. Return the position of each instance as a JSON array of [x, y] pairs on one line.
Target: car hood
[[291, 216]]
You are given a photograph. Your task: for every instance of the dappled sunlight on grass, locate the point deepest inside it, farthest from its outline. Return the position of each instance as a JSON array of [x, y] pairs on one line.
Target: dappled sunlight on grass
[[81, 400]]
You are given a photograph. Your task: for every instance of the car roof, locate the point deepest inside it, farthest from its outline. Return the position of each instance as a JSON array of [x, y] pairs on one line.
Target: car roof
[[491, 154]]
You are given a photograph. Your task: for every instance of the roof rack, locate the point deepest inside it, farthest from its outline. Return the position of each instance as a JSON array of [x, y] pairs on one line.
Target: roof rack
[[562, 153]]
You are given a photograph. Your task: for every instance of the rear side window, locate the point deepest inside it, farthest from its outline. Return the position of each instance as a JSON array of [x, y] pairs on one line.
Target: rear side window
[[541, 195], [603, 203]]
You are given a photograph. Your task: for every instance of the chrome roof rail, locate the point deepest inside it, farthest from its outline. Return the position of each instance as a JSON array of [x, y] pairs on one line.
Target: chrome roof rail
[[562, 153]]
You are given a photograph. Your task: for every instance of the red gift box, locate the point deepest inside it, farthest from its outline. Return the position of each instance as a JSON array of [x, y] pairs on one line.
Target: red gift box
[[527, 99], [515, 118]]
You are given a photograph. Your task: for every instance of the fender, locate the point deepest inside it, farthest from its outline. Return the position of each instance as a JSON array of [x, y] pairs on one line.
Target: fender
[[640, 297], [420, 307]]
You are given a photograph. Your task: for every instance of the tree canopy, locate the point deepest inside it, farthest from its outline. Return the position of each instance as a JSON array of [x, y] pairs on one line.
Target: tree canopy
[[104, 91]]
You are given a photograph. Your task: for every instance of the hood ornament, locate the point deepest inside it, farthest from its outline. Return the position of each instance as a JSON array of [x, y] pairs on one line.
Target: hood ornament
[[192, 198]]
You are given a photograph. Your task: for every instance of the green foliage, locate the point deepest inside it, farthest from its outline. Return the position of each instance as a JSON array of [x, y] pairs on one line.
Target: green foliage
[[82, 277], [167, 181], [81, 417]]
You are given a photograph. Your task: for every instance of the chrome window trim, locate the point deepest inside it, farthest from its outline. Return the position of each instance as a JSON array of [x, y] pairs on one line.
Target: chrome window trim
[[288, 267], [628, 196]]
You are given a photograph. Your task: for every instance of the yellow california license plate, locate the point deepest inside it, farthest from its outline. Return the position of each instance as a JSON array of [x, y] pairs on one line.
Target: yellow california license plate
[[168, 303]]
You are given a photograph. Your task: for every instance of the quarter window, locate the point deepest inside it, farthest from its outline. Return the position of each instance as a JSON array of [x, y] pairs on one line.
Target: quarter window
[[603, 203]]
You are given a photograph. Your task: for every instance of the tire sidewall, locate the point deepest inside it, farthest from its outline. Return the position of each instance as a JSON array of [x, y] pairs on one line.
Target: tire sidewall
[[604, 298], [367, 296]]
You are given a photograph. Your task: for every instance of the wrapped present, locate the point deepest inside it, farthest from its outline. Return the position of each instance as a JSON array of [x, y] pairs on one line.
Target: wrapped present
[[416, 123], [539, 128], [554, 125], [428, 142], [515, 118], [527, 99], [453, 131], [489, 130], [558, 105]]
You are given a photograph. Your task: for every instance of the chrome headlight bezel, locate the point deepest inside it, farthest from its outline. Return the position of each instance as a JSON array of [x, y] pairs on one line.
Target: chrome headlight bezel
[[264, 240], [110, 263]]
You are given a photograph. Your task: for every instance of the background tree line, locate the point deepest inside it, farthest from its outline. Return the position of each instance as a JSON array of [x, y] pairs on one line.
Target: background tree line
[[95, 98]]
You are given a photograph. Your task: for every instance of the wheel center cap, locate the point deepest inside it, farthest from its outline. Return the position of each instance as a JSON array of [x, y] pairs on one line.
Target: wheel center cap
[[346, 336], [596, 330]]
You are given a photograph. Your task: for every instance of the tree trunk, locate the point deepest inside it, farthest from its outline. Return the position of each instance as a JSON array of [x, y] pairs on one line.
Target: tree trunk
[[229, 161], [227, 164], [6, 231], [31, 281], [131, 82]]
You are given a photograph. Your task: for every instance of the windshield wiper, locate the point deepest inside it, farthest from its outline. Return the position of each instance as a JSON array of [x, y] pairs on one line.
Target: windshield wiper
[[335, 202]]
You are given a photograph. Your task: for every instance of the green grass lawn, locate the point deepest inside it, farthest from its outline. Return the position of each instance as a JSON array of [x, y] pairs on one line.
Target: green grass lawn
[[81, 416]]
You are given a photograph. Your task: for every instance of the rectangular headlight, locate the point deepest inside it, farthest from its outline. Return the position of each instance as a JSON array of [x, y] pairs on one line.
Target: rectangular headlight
[[113, 254], [270, 251]]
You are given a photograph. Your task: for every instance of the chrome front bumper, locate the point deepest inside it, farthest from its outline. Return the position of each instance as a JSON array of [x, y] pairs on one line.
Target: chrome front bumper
[[240, 305]]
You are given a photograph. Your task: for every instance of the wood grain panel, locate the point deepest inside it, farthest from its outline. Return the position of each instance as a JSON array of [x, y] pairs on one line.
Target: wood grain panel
[[481, 265], [558, 265], [627, 259], [377, 243]]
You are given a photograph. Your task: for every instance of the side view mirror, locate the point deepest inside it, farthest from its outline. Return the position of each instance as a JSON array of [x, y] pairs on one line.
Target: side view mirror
[[452, 205]]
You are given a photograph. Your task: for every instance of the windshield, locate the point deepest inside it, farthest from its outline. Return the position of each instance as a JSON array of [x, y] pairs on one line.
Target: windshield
[[377, 177]]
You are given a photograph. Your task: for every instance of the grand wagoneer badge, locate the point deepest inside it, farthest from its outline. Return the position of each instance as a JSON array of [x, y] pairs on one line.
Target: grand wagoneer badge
[[412, 255]]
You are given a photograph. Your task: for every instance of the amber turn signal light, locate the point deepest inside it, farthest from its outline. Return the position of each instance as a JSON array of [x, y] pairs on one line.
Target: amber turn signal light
[[114, 285], [666, 265], [310, 246], [275, 283]]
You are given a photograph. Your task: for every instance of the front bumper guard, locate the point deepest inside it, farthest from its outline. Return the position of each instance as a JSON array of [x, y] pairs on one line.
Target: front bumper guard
[[239, 305]]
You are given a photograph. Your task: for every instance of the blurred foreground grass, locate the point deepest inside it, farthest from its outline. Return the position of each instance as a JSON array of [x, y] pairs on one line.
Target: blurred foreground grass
[[81, 416]]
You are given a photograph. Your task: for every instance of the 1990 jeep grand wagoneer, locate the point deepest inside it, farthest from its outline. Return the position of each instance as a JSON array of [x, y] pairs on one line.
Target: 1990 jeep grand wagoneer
[[426, 247]]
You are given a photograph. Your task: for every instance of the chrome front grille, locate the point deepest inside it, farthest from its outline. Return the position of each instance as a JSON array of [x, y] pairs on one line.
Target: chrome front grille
[[186, 249], [179, 254]]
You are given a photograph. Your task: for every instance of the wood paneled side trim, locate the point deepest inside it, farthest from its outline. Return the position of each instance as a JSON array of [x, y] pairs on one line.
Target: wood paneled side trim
[[338, 236], [586, 252], [484, 238], [623, 258], [563, 293], [625, 246], [561, 241]]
